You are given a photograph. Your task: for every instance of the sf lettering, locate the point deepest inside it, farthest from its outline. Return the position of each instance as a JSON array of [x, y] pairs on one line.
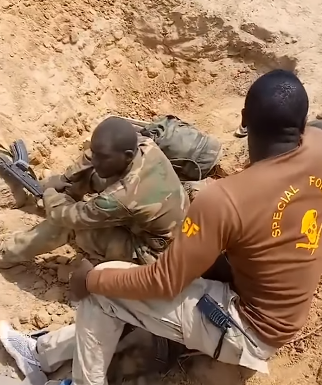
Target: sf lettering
[[190, 228]]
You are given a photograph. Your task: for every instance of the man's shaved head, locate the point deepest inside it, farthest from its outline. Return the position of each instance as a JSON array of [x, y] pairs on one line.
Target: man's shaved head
[[276, 101], [114, 144], [116, 133], [276, 108]]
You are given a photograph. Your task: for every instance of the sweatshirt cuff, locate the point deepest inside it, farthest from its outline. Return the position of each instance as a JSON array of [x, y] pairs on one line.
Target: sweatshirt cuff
[[92, 281]]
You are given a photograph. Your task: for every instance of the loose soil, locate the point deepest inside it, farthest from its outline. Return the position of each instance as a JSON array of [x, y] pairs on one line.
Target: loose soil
[[65, 65]]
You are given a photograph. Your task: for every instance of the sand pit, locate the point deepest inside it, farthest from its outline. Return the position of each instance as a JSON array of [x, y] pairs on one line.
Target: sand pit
[[65, 65]]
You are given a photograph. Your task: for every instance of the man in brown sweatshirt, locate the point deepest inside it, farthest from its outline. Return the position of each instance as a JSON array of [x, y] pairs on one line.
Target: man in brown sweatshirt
[[268, 219]]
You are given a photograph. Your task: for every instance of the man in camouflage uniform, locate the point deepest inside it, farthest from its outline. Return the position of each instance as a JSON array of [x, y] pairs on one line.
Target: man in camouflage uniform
[[138, 206]]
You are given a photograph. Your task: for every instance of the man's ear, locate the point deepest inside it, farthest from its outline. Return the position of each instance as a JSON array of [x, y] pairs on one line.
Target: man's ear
[[129, 155], [243, 121]]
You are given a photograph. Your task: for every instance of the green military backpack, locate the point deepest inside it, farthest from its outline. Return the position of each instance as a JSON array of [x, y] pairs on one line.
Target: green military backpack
[[192, 154]]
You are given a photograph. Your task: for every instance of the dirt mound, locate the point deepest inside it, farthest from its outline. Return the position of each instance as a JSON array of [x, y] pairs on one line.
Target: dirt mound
[[65, 65]]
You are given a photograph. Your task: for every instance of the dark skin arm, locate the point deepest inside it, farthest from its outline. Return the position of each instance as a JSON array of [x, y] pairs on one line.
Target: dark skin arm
[[77, 282]]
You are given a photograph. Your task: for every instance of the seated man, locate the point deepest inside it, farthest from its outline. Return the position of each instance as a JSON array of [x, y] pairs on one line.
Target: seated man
[[140, 202], [270, 231]]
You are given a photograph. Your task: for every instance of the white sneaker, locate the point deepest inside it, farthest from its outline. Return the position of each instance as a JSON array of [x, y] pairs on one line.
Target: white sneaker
[[241, 132], [21, 347]]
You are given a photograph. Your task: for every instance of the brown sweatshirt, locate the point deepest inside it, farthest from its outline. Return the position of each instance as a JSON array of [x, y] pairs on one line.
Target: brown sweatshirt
[[269, 219]]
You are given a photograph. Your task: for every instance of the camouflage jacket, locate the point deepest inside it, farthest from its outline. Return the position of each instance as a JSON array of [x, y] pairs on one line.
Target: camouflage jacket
[[83, 178], [149, 200]]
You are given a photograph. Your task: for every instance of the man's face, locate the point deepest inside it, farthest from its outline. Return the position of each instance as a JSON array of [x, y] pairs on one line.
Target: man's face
[[108, 163]]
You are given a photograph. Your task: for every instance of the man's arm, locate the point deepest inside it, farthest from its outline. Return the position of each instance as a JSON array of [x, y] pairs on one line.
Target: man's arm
[[76, 180], [79, 174], [83, 163], [212, 225], [102, 211], [80, 179]]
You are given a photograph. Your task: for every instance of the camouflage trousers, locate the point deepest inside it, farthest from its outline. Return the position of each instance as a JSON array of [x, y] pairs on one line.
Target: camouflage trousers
[[116, 243]]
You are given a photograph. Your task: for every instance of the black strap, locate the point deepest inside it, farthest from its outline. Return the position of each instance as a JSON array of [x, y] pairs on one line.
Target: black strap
[[127, 330], [219, 345], [167, 353]]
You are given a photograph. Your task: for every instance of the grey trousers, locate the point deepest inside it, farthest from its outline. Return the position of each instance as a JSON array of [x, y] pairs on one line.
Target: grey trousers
[[93, 340]]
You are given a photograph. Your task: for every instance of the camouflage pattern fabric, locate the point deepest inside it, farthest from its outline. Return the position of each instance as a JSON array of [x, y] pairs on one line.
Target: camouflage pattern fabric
[[84, 179], [134, 217], [192, 154], [149, 200]]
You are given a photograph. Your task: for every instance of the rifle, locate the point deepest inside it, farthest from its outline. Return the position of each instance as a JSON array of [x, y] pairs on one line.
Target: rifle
[[19, 168]]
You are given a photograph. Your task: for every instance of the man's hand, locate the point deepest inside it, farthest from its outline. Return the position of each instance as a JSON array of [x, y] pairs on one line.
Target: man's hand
[[77, 282], [58, 182]]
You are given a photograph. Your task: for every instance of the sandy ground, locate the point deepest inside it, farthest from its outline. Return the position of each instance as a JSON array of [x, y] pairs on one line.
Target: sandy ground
[[65, 65]]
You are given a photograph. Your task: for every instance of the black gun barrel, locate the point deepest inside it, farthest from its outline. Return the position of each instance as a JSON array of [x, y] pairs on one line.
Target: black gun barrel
[[28, 182]]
